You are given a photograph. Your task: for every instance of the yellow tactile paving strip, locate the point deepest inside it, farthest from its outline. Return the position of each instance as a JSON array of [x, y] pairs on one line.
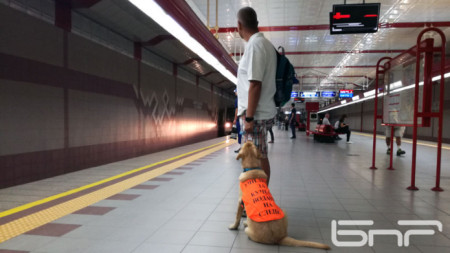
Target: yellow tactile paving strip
[[27, 223], [406, 141]]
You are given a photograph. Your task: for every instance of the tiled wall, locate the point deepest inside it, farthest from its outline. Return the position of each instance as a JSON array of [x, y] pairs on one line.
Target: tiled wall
[[67, 103]]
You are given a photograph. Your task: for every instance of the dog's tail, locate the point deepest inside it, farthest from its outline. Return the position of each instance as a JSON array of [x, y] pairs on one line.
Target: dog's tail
[[289, 241]]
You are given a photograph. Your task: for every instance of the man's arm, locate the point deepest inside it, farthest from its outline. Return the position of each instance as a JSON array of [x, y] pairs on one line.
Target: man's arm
[[254, 93]]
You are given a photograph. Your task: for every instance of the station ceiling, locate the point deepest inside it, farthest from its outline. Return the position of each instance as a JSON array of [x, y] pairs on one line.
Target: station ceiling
[[325, 61]]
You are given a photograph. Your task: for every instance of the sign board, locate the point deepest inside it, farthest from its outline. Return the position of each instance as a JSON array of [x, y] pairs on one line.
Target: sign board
[[354, 18], [345, 93], [328, 94], [294, 94], [309, 94]]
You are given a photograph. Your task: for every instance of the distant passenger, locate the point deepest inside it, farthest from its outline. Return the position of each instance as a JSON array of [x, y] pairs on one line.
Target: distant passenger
[[293, 120], [269, 129], [326, 119], [255, 85], [341, 127], [398, 133], [237, 122]]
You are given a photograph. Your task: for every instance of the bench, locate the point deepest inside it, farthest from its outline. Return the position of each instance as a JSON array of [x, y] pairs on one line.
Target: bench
[[325, 133]]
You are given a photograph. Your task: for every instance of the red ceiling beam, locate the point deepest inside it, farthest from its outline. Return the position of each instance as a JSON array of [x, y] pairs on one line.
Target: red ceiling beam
[[210, 73], [311, 76], [192, 60], [381, 51], [79, 4], [332, 67], [158, 39], [327, 27]]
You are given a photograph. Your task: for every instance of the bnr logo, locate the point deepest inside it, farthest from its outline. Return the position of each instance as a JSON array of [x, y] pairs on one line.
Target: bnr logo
[[402, 239]]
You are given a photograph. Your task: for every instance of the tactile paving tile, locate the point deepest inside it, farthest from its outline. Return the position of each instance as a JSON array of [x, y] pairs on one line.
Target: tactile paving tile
[[175, 173], [145, 187], [95, 210], [185, 168], [122, 196], [53, 229], [161, 179]]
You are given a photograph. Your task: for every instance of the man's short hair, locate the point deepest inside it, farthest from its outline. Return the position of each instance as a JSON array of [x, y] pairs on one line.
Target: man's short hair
[[248, 18], [293, 104]]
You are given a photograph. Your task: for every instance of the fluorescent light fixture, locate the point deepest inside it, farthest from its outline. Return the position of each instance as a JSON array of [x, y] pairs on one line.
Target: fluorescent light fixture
[[355, 98], [343, 102], [369, 93], [395, 85], [436, 78], [155, 12]]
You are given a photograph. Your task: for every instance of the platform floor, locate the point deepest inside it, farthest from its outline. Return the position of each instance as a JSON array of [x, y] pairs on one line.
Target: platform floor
[[185, 204]]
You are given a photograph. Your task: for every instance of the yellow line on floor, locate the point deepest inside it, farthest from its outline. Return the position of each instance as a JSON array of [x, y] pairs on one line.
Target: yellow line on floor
[[27, 223], [45, 200], [406, 141]]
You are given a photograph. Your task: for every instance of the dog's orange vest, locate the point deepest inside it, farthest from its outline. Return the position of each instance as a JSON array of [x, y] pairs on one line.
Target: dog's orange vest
[[259, 202]]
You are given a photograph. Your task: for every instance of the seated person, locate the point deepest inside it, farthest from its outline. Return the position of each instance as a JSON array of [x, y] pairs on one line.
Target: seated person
[[341, 127], [326, 119]]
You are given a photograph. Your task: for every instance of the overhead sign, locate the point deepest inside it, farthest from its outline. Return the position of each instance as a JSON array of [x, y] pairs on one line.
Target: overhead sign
[[294, 94], [309, 94], [299, 100], [354, 18], [328, 94], [345, 93]]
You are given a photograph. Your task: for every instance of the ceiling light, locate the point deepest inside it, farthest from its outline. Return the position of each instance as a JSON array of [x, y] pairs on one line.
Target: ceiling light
[[155, 12], [369, 93]]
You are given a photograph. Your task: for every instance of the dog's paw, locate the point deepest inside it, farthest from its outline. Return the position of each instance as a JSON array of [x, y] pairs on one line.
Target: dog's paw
[[233, 227]]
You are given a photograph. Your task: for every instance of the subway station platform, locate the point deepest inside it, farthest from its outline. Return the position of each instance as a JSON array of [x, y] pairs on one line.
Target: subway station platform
[[183, 199]]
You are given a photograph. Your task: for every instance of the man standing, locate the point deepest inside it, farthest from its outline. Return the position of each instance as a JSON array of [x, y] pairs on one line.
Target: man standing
[[256, 83], [293, 120], [398, 133]]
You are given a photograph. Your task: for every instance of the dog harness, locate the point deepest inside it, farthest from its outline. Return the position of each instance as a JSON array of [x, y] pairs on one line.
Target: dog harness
[[258, 201]]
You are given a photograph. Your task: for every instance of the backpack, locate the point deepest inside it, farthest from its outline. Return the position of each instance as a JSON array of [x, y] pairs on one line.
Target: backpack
[[284, 79]]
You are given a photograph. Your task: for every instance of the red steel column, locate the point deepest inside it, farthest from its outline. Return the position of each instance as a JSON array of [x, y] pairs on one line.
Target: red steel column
[[392, 148], [375, 113]]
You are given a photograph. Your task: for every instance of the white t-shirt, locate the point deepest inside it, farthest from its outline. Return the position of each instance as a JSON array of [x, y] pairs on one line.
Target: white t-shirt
[[325, 121], [259, 63]]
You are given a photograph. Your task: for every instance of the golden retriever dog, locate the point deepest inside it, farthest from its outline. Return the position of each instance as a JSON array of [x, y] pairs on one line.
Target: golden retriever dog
[[266, 222]]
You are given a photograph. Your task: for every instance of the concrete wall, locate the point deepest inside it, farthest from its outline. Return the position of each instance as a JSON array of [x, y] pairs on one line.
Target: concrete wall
[[67, 103]]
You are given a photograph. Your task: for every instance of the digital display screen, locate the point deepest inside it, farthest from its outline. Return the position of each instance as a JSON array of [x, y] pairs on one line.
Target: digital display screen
[[309, 94], [346, 93], [328, 94], [354, 18], [294, 94]]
